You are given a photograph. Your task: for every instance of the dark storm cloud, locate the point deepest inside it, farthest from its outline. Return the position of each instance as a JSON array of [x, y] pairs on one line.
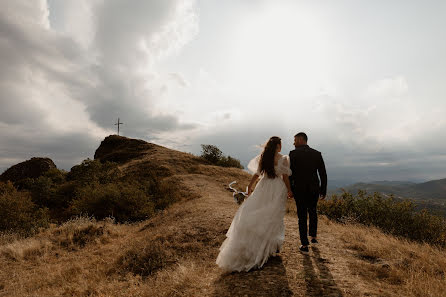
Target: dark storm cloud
[[47, 76], [64, 149], [64, 82]]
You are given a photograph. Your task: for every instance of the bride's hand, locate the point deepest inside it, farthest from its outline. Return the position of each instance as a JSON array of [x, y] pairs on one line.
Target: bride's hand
[[290, 194], [249, 190]]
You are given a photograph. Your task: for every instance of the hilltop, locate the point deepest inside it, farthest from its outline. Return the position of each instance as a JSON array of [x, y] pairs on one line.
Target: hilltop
[[173, 253]]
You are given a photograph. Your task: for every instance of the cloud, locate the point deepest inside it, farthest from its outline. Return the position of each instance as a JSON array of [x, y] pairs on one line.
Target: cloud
[[179, 79], [69, 69], [388, 87], [128, 41]]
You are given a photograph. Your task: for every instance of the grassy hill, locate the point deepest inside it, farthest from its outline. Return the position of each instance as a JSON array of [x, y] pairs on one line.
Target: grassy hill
[[173, 252]]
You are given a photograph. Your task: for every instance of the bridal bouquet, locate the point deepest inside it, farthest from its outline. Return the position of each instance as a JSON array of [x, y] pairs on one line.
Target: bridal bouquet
[[239, 196]]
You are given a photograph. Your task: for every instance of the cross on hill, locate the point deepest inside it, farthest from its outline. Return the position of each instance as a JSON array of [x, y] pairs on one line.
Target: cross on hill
[[118, 123]]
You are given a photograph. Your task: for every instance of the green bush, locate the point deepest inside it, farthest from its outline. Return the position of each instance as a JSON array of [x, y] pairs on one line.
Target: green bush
[[162, 192], [91, 188], [211, 153], [397, 217], [229, 162], [214, 155], [57, 189], [123, 201], [18, 213], [44, 189]]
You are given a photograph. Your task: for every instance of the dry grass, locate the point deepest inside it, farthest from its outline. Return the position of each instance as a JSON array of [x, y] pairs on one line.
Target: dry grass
[[78, 232], [27, 249], [413, 268], [144, 258], [71, 235], [174, 252], [8, 237]]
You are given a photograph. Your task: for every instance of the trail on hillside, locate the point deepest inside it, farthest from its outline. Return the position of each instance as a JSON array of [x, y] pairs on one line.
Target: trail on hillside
[[189, 234], [324, 272], [173, 253]]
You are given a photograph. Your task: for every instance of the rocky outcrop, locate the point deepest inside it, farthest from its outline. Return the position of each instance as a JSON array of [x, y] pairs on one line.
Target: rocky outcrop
[[121, 149], [32, 168]]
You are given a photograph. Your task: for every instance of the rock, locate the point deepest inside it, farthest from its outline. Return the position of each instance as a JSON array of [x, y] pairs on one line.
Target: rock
[[121, 149], [32, 168]]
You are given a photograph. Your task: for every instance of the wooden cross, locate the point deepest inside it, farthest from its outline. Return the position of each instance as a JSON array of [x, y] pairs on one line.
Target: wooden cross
[[118, 123]]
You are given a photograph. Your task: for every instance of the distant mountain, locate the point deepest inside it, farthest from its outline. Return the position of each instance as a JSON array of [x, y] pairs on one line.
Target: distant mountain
[[334, 184], [436, 189], [394, 183], [431, 194]]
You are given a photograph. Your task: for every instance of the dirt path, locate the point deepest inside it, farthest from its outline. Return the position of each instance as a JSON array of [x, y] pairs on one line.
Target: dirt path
[[191, 233], [324, 272]]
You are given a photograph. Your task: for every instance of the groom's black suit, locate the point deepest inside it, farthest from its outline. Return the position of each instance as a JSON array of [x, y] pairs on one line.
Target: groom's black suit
[[305, 164]]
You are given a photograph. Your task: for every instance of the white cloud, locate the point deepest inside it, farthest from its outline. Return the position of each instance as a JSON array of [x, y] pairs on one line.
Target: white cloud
[[359, 89], [94, 61], [388, 88]]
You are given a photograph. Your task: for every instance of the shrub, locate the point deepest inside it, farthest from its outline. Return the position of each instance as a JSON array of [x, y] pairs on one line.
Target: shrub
[[161, 192], [93, 171], [79, 231], [396, 217], [44, 189], [92, 188], [123, 201], [229, 162], [18, 213], [211, 153], [215, 156], [145, 258], [57, 189], [26, 249]]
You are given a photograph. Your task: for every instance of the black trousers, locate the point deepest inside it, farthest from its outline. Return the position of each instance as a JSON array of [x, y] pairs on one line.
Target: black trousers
[[306, 204]]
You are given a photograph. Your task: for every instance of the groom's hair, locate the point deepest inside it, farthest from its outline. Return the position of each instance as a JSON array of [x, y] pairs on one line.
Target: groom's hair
[[302, 135]]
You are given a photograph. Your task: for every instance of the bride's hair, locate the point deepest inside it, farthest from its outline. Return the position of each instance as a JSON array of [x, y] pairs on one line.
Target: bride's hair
[[266, 163]]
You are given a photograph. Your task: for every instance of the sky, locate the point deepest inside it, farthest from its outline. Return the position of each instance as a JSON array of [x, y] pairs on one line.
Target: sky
[[364, 79]]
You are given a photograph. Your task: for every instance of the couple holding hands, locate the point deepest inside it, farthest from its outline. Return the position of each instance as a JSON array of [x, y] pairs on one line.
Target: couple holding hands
[[257, 230]]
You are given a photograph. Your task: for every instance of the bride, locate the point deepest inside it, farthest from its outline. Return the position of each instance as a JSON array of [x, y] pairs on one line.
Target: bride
[[257, 230]]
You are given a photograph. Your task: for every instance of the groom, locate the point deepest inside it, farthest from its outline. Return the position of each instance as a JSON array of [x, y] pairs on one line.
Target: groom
[[305, 164]]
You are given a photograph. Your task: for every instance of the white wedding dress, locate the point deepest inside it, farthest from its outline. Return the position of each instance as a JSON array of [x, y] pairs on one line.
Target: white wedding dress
[[257, 229]]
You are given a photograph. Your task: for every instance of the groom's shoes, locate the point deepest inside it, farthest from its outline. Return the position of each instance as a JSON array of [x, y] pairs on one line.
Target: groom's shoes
[[304, 249], [314, 241]]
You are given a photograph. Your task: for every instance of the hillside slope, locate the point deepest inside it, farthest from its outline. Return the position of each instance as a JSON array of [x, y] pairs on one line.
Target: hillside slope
[[431, 190], [173, 253], [430, 195]]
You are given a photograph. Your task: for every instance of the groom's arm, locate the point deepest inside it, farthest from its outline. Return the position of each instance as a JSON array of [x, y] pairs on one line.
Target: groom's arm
[[323, 176]]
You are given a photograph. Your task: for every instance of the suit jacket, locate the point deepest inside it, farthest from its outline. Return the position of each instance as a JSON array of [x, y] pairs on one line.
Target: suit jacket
[[305, 164]]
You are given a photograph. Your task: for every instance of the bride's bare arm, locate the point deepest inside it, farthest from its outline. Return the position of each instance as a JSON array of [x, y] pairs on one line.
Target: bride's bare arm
[[253, 180], [287, 184]]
